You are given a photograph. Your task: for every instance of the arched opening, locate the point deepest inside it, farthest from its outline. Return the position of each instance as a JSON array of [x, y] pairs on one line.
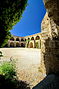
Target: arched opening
[[37, 38], [11, 44], [28, 38], [12, 38], [31, 45], [17, 45], [22, 39], [17, 39], [22, 45], [25, 39], [32, 38]]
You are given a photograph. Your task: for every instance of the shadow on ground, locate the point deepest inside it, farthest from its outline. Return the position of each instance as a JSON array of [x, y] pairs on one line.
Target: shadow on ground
[[50, 82], [12, 84]]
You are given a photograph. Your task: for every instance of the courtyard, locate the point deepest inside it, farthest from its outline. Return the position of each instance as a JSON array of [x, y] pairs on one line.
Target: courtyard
[[27, 63]]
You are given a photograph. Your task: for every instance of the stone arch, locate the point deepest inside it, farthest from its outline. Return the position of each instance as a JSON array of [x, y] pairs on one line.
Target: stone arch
[[31, 45], [22, 45], [17, 39], [25, 39], [11, 44], [28, 38], [32, 38], [37, 38], [17, 45], [12, 38], [22, 39]]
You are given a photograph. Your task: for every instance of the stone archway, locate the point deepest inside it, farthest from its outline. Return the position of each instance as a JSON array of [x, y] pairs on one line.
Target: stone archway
[[12, 38], [17, 39], [22, 45], [31, 45], [37, 38], [11, 44], [17, 45], [32, 38], [22, 39]]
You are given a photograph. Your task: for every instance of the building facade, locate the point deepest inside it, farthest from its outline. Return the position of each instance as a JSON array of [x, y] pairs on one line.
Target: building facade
[[31, 41], [16, 41]]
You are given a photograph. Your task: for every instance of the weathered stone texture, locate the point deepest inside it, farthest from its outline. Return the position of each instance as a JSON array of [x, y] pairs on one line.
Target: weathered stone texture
[[50, 46], [52, 7]]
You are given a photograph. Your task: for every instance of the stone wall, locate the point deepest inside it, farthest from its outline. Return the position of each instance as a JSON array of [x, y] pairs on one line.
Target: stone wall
[[31, 41], [50, 45], [16, 41], [52, 7]]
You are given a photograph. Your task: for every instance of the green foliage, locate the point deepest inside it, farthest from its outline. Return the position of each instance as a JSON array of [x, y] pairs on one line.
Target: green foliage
[[7, 69], [4, 36], [10, 14], [8, 78]]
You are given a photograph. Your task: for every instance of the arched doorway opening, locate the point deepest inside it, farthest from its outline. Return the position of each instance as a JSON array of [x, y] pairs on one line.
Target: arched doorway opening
[[37, 38], [11, 44], [31, 45], [22, 39], [28, 40], [12, 38], [32, 38], [17, 39], [17, 45], [22, 45]]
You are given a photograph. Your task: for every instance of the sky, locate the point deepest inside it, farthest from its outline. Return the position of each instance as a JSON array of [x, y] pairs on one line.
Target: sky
[[30, 22]]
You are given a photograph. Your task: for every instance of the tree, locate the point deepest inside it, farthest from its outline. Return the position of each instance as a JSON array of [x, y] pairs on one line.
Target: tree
[[10, 14]]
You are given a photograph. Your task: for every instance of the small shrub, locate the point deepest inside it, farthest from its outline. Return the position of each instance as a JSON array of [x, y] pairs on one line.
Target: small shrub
[[7, 69], [8, 79]]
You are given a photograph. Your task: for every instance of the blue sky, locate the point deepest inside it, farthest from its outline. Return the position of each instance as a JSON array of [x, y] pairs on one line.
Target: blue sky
[[30, 22]]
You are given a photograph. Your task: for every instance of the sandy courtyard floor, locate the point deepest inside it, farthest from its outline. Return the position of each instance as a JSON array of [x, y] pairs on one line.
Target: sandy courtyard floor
[[27, 63]]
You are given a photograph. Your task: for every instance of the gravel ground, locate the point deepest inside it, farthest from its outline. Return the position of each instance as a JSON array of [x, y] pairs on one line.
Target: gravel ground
[[27, 63]]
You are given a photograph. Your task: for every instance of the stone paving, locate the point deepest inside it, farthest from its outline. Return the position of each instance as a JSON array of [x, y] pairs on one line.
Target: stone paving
[[27, 63]]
